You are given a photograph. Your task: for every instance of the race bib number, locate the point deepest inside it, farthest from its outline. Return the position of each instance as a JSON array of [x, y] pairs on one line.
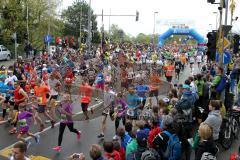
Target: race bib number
[[119, 106], [63, 117], [40, 100], [22, 122]]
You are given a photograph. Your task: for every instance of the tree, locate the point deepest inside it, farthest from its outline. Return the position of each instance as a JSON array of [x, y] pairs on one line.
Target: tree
[[75, 14], [143, 38], [40, 14], [117, 35]]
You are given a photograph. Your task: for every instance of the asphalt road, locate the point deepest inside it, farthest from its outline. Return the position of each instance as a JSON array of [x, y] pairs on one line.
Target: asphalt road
[[90, 130]]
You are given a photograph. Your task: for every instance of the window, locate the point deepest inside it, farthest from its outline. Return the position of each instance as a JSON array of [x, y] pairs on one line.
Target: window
[[4, 49]]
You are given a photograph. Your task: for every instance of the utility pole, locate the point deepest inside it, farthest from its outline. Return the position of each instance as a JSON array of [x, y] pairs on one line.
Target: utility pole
[[15, 42], [102, 39], [226, 12], [89, 28], [109, 30], [221, 35], [80, 24], [49, 20], [154, 14], [27, 25]]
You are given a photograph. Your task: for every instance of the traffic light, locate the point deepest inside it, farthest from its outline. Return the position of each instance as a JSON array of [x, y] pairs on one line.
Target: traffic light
[[212, 45], [236, 39], [211, 1], [137, 16], [25, 36]]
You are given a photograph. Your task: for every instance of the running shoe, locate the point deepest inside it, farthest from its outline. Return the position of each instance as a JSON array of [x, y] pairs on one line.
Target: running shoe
[[52, 124], [13, 131], [47, 121], [101, 135], [37, 138], [79, 135], [41, 128], [57, 148]]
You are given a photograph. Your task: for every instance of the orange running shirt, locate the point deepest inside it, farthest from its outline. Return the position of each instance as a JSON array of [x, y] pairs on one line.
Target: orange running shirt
[[41, 94], [86, 91]]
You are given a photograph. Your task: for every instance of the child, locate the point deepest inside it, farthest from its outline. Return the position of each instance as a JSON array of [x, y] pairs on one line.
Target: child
[[24, 122]]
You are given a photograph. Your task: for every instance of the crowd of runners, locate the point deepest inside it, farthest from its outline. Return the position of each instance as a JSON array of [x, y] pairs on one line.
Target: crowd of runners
[[186, 117]]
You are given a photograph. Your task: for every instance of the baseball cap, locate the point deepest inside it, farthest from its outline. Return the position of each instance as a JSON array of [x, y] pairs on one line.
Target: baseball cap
[[185, 86], [142, 136]]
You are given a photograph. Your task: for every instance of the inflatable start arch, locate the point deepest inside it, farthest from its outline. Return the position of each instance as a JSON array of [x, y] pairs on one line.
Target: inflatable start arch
[[180, 31]]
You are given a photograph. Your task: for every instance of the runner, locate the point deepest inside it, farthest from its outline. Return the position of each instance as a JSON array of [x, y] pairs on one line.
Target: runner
[[91, 74], [85, 95], [120, 110], [55, 87], [66, 112], [199, 60], [169, 69], [24, 124], [40, 92], [109, 99], [191, 61], [20, 97]]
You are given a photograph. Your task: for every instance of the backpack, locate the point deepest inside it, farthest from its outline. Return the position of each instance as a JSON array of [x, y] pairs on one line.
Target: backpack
[[174, 147], [184, 103], [222, 84], [208, 156], [148, 154]]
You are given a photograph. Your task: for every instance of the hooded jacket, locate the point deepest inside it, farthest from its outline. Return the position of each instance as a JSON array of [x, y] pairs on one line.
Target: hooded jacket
[[205, 146], [214, 120]]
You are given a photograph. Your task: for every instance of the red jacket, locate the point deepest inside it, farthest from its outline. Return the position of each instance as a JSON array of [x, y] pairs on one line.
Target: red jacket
[[122, 153], [152, 134], [113, 156]]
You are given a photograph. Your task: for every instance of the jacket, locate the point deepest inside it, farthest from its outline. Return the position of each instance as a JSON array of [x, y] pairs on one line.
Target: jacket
[[113, 156], [131, 147], [152, 134], [214, 120], [205, 146], [186, 102]]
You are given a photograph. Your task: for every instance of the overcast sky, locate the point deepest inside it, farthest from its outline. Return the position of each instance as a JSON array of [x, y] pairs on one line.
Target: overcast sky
[[197, 13]]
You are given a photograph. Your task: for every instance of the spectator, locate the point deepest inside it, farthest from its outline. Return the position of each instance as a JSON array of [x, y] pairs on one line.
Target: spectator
[[125, 138], [206, 143], [214, 119], [110, 153], [96, 152], [132, 146], [153, 132], [19, 151], [141, 138], [163, 140], [128, 128], [120, 149]]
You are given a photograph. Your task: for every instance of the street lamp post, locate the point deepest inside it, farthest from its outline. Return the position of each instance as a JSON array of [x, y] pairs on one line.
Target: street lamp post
[[154, 14], [89, 28], [80, 23], [216, 19]]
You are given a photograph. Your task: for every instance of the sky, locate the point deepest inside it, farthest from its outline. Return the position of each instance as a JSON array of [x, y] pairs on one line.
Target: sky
[[197, 14]]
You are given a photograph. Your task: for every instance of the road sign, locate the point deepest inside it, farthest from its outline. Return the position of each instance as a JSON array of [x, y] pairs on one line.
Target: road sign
[[227, 57], [226, 43], [48, 38]]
